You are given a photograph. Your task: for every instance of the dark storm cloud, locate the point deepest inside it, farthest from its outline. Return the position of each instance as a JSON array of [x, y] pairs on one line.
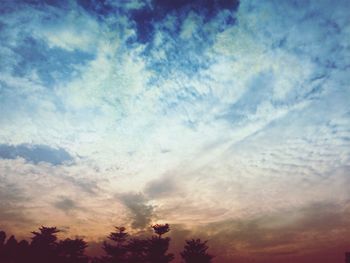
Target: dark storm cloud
[[141, 212], [35, 153]]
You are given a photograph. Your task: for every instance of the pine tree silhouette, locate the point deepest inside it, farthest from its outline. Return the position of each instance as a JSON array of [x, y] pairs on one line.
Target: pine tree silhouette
[[137, 250], [158, 246], [72, 251], [116, 252], [195, 251], [46, 248]]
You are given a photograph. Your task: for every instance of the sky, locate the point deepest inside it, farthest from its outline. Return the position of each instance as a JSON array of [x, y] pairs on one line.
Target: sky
[[227, 119]]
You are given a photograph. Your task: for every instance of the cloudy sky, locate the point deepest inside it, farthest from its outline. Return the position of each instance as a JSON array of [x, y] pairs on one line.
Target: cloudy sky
[[229, 120]]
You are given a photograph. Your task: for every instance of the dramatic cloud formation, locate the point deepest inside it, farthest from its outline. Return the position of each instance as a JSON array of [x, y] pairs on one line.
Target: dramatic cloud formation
[[227, 119]]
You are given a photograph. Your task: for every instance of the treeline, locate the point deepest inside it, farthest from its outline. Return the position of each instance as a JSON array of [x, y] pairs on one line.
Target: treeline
[[120, 247]]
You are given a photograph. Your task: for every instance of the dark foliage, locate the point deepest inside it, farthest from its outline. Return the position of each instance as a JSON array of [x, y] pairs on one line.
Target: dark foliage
[[151, 250], [72, 250], [120, 248], [44, 248], [137, 250], [161, 229], [195, 251], [116, 252]]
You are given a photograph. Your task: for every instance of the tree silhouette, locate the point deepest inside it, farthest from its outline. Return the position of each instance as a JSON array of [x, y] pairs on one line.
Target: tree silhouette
[[116, 252], [160, 229], [195, 251], [23, 252], [157, 250], [157, 246], [10, 249], [2, 245], [46, 248], [2, 238], [72, 251], [44, 245], [137, 250], [46, 237]]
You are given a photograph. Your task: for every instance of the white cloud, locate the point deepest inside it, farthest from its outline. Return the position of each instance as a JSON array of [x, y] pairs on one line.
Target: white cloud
[[247, 133]]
